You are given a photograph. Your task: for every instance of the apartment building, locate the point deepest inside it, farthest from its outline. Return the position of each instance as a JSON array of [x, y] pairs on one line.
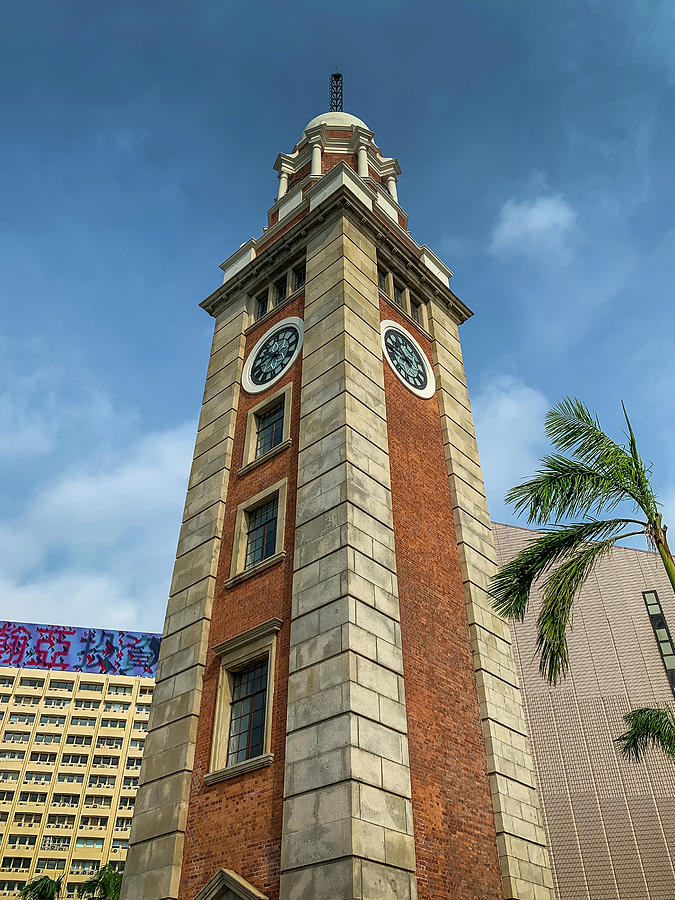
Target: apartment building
[[74, 707]]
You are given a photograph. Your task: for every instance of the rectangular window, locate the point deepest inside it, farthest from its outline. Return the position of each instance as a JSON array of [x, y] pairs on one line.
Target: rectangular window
[[242, 732], [269, 428], [69, 778], [55, 842], [12, 754], [87, 704], [52, 720], [101, 781], [109, 742], [79, 740], [6, 682], [247, 714], [91, 686], [57, 701], [21, 840], [662, 634], [398, 295], [97, 843], [21, 718], [133, 762], [122, 823], [280, 291], [115, 706], [42, 777], [61, 685], [123, 689], [299, 275], [113, 723], [32, 682], [261, 303], [74, 759], [261, 532], [382, 280], [43, 759], [416, 311], [45, 864], [85, 721]]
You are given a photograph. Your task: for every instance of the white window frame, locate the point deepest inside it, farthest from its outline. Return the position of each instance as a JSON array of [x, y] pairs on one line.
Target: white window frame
[[250, 460], [235, 654]]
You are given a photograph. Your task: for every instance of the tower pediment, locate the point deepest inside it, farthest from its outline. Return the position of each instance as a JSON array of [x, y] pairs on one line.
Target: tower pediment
[[227, 885]]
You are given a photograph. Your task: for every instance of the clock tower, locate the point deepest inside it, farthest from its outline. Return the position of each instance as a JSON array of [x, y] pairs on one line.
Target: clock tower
[[337, 714]]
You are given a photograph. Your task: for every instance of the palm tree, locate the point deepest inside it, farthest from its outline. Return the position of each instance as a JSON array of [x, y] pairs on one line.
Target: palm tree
[[595, 477], [106, 884], [43, 888]]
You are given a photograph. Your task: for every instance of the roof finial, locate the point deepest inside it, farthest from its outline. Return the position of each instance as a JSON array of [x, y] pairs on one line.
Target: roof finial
[[336, 92]]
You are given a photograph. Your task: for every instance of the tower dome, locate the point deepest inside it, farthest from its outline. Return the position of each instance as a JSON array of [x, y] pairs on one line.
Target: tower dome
[[336, 120]]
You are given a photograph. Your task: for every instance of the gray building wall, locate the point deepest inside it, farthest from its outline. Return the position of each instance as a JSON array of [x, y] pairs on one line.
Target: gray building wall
[[610, 823]]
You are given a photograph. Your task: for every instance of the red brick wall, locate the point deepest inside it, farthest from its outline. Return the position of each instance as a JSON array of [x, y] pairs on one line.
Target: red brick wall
[[236, 824], [455, 839]]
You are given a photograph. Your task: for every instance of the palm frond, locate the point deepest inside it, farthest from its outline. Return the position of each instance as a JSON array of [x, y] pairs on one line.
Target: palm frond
[[572, 427], [648, 728], [642, 473], [43, 888], [560, 590], [563, 488], [105, 884], [510, 587]]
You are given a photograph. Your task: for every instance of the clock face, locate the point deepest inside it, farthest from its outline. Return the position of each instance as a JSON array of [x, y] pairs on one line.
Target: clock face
[[273, 355], [407, 359]]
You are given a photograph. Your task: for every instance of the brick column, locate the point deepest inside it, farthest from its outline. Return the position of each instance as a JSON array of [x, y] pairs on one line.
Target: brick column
[[152, 870], [521, 840], [347, 830]]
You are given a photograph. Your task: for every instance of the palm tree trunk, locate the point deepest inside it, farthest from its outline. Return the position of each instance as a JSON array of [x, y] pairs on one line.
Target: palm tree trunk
[[666, 555]]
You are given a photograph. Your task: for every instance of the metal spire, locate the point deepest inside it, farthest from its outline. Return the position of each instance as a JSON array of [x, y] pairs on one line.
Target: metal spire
[[336, 92]]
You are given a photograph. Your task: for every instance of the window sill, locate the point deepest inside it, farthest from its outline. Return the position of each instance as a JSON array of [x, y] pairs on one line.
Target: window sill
[[248, 765], [254, 570], [259, 460]]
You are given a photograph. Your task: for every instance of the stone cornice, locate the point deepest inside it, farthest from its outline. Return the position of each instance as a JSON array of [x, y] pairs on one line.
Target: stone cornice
[[388, 236]]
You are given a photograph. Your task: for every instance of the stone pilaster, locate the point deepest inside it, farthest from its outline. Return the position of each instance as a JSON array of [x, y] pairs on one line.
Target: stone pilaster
[[347, 829], [521, 840], [153, 865]]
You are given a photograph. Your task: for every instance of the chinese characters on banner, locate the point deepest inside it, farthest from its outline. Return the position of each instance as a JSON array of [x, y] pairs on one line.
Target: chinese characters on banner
[[78, 649]]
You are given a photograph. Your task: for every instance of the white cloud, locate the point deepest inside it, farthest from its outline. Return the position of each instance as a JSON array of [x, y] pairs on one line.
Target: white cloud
[[541, 224], [90, 505], [96, 547], [509, 417]]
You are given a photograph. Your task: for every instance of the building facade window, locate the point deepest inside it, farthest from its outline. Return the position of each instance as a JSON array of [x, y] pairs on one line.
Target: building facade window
[[262, 532], [242, 726], [259, 532], [247, 712], [269, 429], [662, 634], [281, 287]]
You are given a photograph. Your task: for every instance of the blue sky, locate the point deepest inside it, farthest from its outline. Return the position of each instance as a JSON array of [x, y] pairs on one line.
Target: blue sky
[[536, 142]]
